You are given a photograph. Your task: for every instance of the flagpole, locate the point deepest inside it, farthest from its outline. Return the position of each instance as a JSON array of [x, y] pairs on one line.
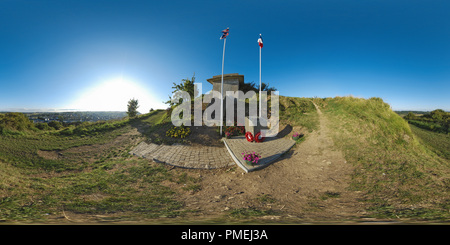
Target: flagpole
[[259, 81], [221, 90]]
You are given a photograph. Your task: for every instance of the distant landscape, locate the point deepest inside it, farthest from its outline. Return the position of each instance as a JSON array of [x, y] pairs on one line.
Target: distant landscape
[[432, 127], [77, 116]]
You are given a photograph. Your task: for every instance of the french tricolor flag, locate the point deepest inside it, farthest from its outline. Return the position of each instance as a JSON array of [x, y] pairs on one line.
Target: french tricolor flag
[[260, 41]]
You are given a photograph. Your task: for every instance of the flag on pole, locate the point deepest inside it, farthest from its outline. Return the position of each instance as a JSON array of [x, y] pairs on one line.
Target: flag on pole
[[224, 36], [225, 33], [260, 41]]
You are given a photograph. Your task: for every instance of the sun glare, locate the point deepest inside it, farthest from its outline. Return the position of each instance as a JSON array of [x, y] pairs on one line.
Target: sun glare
[[113, 95]]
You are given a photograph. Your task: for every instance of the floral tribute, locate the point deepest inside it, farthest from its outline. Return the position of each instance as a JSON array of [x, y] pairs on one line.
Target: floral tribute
[[251, 158], [235, 130], [178, 132], [297, 136], [228, 134]]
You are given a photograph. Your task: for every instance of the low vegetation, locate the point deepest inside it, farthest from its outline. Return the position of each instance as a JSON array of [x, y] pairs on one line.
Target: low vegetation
[[57, 171], [439, 143], [298, 112], [400, 177], [54, 174], [436, 120]]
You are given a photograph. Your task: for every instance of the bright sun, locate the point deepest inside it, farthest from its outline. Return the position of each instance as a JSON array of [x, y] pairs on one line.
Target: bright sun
[[113, 95]]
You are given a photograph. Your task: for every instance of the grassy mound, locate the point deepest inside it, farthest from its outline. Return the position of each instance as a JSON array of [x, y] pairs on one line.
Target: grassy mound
[[86, 173], [298, 112], [400, 177], [436, 142]]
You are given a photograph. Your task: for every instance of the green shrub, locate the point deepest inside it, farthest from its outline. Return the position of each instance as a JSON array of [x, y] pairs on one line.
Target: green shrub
[[13, 121], [67, 132], [55, 124], [435, 127], [178, 132], [42, 126], [235, 130]]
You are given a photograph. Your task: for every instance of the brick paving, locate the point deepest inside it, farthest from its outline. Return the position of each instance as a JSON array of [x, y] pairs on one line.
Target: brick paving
[[269, 150], [209, 157], [206, 157]]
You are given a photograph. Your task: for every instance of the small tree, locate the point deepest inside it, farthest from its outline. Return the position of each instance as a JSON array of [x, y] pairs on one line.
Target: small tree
[[132, 107], [245, 87], [186, 85], [410, 116], [55, 124], [438, 115]]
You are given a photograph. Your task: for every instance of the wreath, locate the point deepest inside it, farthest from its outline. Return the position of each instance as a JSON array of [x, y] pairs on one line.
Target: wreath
[[249, 136], [259, 137]]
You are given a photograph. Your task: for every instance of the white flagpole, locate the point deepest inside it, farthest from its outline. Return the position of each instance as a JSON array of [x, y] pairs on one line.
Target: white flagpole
[[221, 90], [260, 80]]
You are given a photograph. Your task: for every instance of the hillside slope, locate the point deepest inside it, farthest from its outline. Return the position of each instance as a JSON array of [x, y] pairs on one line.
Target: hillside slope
[[358, 160], [401, 177]]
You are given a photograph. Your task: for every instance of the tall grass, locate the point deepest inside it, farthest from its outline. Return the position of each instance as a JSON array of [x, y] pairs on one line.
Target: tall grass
[[437, 142], [100, 180], [298, 112], [432, 126], [397, 174]]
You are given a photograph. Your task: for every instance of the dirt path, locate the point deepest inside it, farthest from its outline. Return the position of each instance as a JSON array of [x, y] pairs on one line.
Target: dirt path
[[307, 184]]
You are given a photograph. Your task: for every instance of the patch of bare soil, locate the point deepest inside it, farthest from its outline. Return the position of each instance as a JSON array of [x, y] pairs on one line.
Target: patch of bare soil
[[51, 155], [309, 183], [204, 135], [89, 153]]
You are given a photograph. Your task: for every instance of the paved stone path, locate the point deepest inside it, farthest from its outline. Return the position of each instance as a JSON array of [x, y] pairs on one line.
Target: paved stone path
[[269, 150], [208, 157]]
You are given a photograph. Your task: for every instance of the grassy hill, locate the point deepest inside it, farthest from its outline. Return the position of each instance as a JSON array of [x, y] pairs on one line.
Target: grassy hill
[[86, 170], [299, 112], [401, 177]]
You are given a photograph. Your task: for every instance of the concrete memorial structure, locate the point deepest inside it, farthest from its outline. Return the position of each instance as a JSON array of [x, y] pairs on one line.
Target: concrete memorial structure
[[230, 82]]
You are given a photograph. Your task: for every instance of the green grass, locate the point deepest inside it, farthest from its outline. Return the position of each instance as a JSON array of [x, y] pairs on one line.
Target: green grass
[[266, 198], [133, 189], [154, 118], [104, 180], [403, 173], [251, 212], [330, 194], [21, 151], [298, 112], [437, 142], [432, 126], [133, 186], [392, 168]]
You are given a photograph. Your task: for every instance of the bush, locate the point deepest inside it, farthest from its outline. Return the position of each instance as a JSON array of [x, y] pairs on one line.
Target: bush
[[410, 116], [67, 132], [42, 126], [55, 124], [13, 121], [429, 126], [235, 130], [178, 132], [88, 128]]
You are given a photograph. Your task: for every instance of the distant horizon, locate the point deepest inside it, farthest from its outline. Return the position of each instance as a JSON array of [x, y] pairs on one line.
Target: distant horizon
[[56, 110], [24, 110]]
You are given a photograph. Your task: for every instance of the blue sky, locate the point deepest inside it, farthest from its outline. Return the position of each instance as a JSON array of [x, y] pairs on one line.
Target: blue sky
[[95, 54]]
